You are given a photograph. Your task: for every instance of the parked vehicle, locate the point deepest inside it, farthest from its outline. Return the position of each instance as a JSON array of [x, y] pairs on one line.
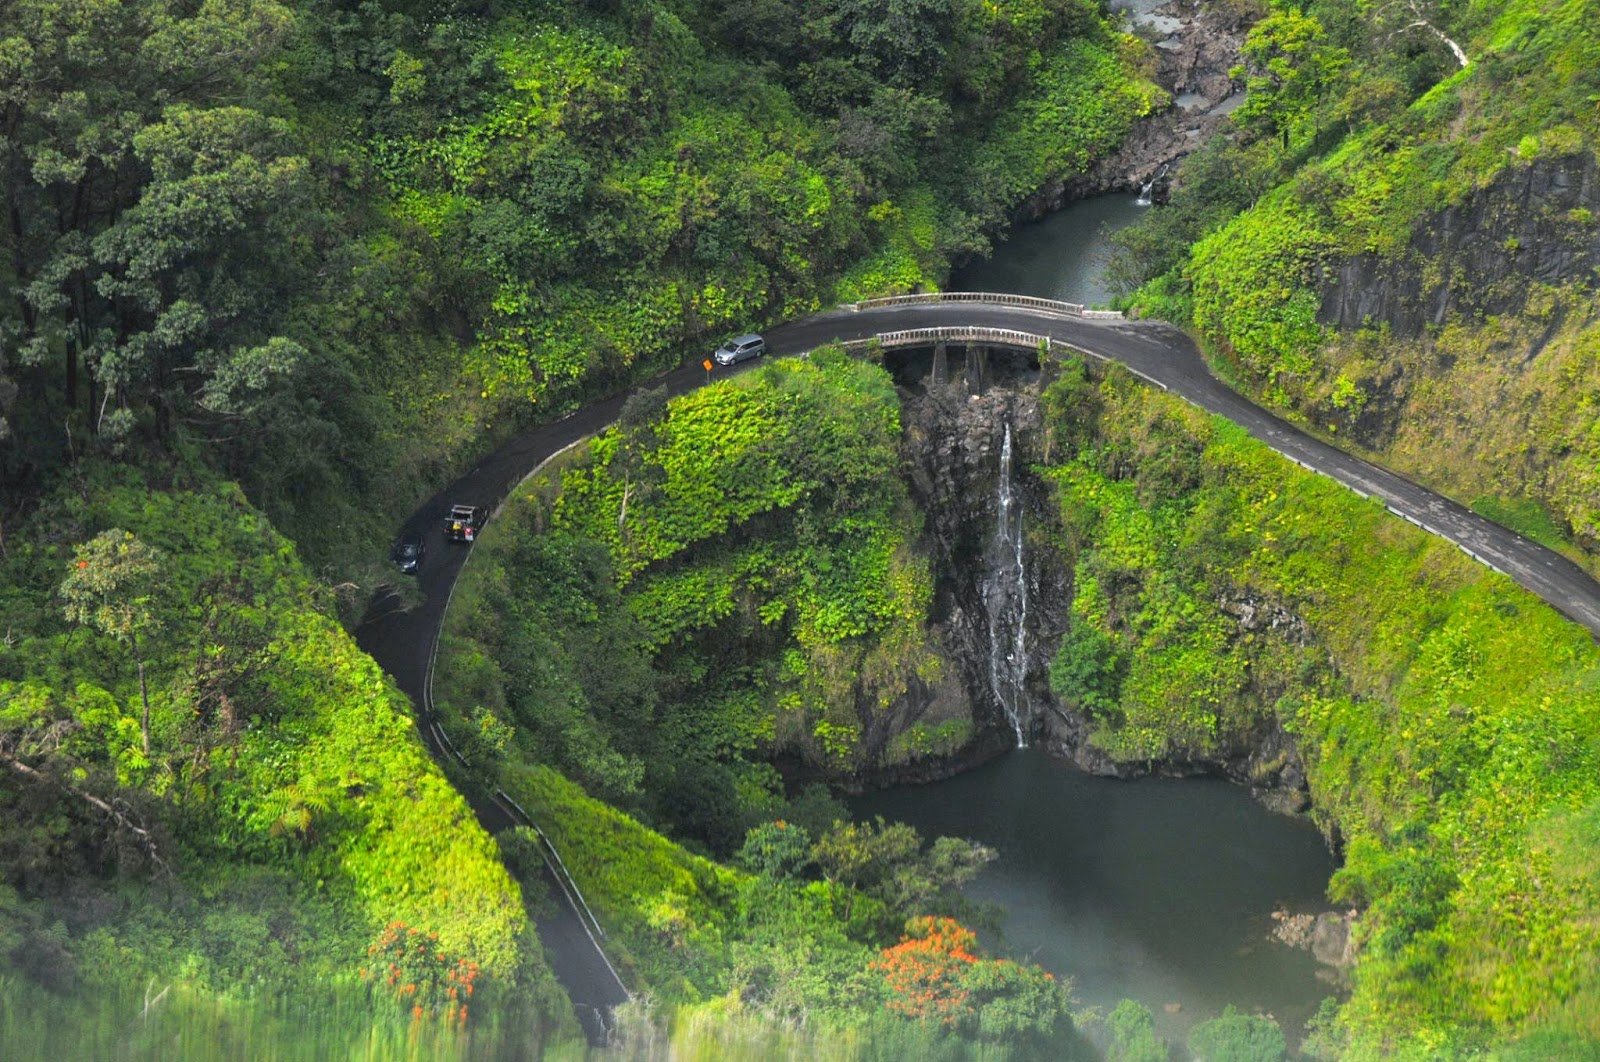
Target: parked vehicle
[[740, 348], [464, 522], [409, 551]]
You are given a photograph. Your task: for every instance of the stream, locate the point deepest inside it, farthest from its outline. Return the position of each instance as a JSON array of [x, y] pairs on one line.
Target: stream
[[1158, 890]]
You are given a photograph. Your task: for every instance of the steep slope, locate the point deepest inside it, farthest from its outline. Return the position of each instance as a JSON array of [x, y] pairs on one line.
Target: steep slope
[[1416, 275], [1231, 611], [209, 789]]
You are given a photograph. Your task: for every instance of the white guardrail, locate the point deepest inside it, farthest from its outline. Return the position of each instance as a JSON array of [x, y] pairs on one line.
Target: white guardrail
[[916, 337], [547, 849], [989, 298]]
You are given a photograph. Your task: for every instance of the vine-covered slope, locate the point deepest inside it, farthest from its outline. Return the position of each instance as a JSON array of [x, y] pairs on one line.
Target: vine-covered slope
[[720, 580]]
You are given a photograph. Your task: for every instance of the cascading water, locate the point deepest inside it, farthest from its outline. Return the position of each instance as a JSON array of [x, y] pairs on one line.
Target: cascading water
[[1148, 191], [1005, 595]]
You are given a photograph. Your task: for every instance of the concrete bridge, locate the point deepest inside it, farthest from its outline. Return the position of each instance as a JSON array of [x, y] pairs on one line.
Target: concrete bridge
[[405, 643]]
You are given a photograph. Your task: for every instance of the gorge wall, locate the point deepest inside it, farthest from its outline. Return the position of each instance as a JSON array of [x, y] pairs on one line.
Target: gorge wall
[[1532, 226], [956, 422], [1469, 359], [953, 441]]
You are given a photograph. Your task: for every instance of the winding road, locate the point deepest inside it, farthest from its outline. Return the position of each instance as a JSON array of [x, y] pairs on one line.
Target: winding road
[[404, 642]]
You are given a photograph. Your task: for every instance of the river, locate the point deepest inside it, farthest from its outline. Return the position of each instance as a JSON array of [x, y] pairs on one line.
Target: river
[[1061, 257], [1157, 890]]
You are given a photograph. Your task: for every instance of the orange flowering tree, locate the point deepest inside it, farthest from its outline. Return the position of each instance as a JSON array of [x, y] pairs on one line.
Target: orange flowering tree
[[924, 971], [936, 974], [410, 965]]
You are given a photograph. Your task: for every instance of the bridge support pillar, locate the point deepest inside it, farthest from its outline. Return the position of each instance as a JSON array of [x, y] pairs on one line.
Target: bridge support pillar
[[977, 363], [941, 364]]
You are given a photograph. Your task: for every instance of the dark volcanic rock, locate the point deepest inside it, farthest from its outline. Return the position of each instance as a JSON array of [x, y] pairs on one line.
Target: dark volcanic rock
[[1533, 225], [1327, 935], [952, 443]]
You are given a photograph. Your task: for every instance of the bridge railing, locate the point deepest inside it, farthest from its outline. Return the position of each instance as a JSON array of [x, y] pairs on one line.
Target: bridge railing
[[989, 298], [916, 337]]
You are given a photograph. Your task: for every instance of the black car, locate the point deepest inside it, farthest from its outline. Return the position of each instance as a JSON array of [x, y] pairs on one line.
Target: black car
[[408, 552]]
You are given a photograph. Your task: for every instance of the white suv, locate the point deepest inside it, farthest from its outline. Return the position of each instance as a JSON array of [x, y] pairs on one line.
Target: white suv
[[740, 348]]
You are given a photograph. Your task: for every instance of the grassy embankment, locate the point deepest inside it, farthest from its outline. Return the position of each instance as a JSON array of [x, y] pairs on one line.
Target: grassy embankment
[[699, 592]]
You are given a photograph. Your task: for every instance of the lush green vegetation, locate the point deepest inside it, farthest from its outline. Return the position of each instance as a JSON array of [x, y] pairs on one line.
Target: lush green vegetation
[[719, 580], [163, 1020], [1361, 131], [209, 789], [1451, 738], [716, 583], [335, 244], [306, 258], [805, 945], [1448, 720]]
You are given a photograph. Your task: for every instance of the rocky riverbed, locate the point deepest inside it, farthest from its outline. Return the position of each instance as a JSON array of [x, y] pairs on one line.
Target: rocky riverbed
[[1195, 46]]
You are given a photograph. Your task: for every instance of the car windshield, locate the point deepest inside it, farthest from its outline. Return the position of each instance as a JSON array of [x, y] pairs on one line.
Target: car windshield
[[408, 549]]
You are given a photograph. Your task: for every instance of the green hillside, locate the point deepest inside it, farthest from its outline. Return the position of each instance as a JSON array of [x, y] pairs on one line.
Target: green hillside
[[1447, 719], [1401, 252], [276, 269]]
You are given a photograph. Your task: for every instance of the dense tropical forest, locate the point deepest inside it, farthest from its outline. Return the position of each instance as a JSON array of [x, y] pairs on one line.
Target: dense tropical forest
[[276, 270], [273, 271]]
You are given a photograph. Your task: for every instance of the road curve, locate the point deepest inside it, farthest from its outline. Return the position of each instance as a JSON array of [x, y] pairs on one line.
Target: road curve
[[403, 642]]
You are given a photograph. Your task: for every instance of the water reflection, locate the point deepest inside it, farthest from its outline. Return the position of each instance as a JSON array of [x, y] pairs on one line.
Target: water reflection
[[1061, 257], [1159, 890]]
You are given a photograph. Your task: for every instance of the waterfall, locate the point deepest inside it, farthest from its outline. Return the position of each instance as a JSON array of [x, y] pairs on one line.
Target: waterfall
[[1005, 595], [1149, 188]]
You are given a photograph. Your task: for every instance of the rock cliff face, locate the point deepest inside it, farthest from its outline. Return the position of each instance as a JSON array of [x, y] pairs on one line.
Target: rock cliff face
[[1533, 225], [955, 425], [1472, 349], [1194, 46], [1264, 760], [954, 436]]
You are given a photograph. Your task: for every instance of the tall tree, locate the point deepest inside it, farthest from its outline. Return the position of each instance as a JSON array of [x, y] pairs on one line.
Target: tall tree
[[1290, 66], [903, 41], [642, 415], [128, 159], [190, 266]]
